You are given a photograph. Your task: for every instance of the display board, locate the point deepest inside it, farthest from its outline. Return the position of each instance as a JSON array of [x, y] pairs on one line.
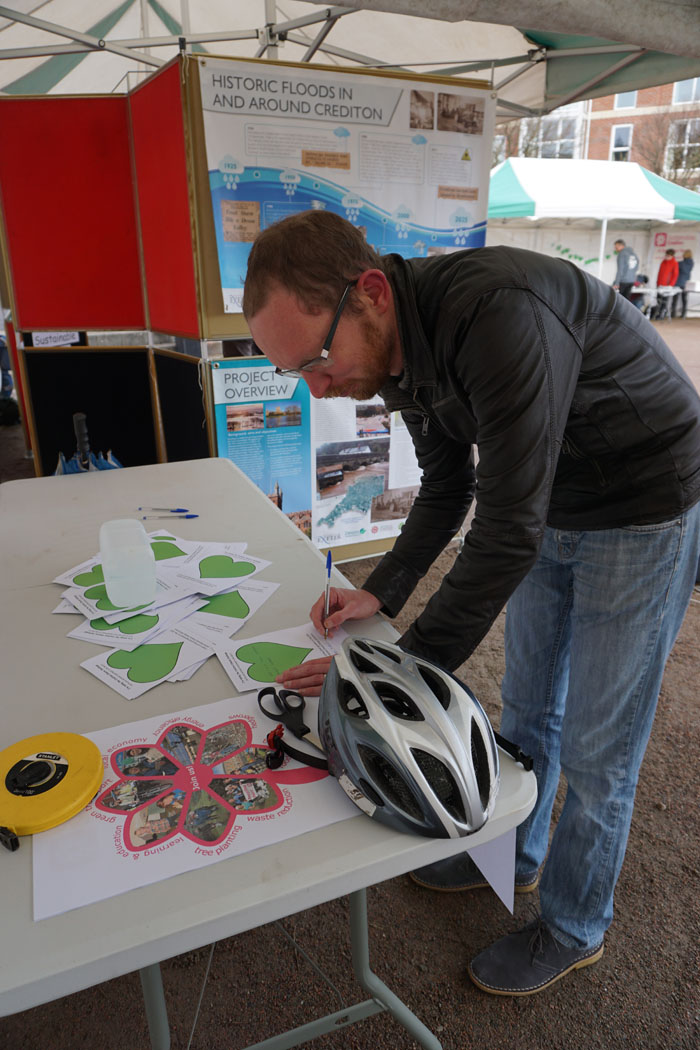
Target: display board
[[68, 213], [162, 190], [263, 425], [407, 160], [344, 471]]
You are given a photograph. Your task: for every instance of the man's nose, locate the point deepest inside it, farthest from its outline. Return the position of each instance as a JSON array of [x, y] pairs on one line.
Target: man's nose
[[318, 383]]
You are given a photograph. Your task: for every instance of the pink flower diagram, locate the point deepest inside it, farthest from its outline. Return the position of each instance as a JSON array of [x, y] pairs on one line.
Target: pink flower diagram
[[194, 783]]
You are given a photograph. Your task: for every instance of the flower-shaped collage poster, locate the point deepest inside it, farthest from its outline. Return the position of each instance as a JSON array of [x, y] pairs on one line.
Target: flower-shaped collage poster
[[194, 783]]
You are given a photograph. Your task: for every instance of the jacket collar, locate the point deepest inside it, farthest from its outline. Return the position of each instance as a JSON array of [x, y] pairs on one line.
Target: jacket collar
[[417, 353]]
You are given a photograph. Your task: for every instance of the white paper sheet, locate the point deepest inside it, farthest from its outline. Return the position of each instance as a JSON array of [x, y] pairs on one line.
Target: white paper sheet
[[179, 792], [133, 672], [253, 662], [136, 630]]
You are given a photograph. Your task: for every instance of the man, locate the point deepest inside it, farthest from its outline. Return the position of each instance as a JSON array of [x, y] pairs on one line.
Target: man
[[626, 273], [587, 521]]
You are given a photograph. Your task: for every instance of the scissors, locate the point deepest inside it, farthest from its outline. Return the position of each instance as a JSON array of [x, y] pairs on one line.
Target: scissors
[[288, 710]]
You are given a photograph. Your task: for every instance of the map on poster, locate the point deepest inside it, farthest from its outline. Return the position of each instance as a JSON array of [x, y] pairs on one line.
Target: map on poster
[[179, 792], [407, 160]]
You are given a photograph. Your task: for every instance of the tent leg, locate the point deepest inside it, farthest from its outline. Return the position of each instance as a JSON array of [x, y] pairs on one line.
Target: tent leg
[[601, 251]]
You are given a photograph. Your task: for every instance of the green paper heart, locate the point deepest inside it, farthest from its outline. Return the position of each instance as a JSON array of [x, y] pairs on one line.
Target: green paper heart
[[86, 579], [132, 625], [99, 596], [222, 566], [227, 605], [164, 547], [268, 659], [148, 663]]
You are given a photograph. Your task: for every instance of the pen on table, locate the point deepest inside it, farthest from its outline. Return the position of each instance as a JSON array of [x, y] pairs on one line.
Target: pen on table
[[328, 593], [166, 517], [167, 510]]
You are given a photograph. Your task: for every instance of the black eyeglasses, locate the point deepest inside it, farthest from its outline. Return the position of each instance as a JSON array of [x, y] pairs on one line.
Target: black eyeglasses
[[323, 360]]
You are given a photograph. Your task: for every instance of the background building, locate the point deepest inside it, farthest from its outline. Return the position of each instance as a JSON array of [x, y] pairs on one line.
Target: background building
[[658, 127]]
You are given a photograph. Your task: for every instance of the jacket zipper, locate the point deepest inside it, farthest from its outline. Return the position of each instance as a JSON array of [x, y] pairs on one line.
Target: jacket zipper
[[426, 417]]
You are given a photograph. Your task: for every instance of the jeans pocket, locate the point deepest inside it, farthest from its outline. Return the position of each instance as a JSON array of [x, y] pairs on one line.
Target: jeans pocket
[[657, 526]]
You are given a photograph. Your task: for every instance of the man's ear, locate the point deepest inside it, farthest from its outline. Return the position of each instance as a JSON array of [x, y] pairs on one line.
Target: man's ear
[[374, 288]]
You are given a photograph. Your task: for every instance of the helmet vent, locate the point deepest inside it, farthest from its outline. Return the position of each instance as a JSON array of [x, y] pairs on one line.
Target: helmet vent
[[481, 764], [351, 701], [388, 653], [437, 685], [389, 782], [442, 783], [362, 644], [397, 702], [362, 663], [370, 793]]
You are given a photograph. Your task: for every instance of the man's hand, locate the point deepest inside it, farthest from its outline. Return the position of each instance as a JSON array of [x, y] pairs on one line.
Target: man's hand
[[344, 604], [307, 678]]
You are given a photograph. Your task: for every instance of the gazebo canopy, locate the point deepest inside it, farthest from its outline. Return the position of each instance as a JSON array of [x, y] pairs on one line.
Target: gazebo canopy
[[586, 189], [570, 51]]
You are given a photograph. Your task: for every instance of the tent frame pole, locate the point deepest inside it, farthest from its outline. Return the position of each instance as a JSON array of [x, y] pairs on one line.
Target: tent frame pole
[[601, 250]]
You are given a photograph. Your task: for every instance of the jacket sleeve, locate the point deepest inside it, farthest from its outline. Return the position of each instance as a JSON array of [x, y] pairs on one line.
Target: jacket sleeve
[[620, 268], [520, 399]]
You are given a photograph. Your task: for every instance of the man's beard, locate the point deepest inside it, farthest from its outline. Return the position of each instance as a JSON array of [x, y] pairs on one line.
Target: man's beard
[[375, 356]]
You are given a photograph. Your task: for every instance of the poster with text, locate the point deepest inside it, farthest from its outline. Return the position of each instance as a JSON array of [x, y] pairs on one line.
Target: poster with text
[[407, 160], [263, 425]]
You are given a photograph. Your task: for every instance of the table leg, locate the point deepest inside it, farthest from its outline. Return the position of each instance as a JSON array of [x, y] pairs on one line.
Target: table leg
[[359, 943], [156, 1011]]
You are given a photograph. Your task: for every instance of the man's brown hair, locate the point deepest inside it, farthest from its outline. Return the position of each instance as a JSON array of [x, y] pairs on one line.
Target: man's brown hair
[[313, 254]]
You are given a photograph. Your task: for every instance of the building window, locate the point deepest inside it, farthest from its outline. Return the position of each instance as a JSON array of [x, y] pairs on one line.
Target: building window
[[620, 142], [687, 90], [626, 100], [684, 146], [555, 135]]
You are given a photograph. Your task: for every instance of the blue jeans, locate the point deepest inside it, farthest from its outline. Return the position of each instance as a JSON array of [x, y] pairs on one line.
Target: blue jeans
[[588, 633]]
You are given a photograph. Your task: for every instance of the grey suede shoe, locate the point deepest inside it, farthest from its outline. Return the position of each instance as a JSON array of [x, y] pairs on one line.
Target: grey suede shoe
[[461, 873], [528, 961]]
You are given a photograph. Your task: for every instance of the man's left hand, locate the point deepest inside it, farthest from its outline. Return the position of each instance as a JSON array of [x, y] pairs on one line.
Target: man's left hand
[[307, 678]]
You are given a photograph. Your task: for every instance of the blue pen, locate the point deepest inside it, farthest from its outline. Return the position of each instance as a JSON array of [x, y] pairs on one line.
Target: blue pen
[[167, 510], [166, 517], [328, 593]]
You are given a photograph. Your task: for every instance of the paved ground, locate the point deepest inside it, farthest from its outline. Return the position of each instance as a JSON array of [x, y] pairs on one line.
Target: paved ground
[[643, 995]]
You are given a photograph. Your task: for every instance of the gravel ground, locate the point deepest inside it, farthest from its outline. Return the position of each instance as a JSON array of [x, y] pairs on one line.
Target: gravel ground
[[643, 995]]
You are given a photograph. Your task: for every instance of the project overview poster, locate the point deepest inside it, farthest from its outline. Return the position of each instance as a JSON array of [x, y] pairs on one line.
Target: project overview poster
[[406, 160], [343, 471], [263, 425]]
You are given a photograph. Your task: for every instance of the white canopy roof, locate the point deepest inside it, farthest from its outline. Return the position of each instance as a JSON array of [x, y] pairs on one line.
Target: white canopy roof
[[586, 189], [70, 46]]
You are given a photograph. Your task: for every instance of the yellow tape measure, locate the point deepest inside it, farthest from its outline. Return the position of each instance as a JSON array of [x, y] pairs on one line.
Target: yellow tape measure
[[45, 780]]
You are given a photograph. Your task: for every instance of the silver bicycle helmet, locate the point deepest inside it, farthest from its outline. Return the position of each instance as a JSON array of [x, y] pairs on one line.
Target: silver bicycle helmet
[[408, 742]]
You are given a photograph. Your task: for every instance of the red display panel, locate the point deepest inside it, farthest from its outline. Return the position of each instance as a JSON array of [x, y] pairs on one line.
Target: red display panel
[[70, 217], [158, 137]]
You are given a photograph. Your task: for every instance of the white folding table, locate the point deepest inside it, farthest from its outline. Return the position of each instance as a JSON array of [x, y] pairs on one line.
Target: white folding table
[[48, 525]]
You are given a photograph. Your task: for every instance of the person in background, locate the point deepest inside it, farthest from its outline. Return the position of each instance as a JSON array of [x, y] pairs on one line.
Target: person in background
[[685, 268], [626, 273], [637, 297], [587, 522], [665, 278]]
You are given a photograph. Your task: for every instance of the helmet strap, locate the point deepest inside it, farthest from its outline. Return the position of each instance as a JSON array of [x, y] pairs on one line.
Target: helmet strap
[[280, 747]]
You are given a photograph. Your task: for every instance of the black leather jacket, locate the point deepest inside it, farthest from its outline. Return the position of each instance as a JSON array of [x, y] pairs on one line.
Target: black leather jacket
[[582, 418]]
